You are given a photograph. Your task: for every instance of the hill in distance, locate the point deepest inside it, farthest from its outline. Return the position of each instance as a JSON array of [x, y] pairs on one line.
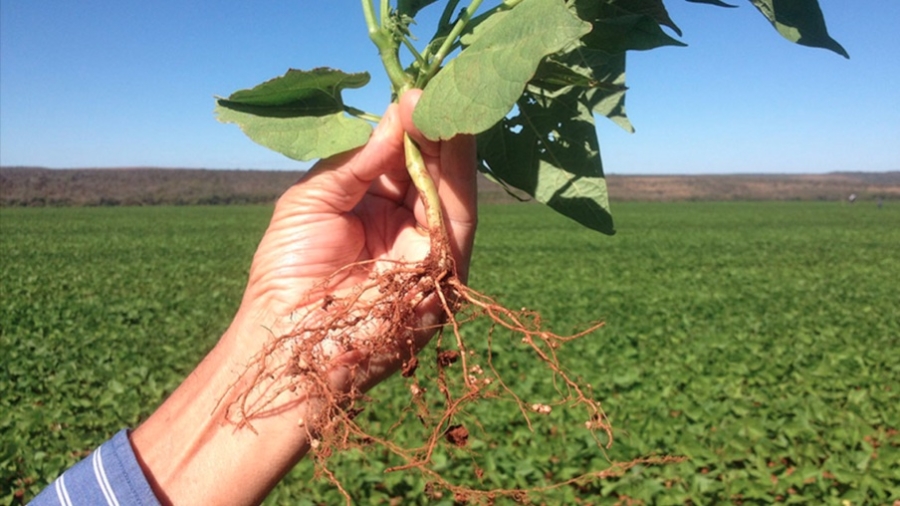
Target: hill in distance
[[32, 186]]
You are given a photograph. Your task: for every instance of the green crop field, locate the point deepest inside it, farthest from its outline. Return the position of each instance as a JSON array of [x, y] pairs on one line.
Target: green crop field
[[759, 340]]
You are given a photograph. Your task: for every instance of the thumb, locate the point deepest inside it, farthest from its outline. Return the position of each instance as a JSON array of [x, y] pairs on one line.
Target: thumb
[[343, 179]]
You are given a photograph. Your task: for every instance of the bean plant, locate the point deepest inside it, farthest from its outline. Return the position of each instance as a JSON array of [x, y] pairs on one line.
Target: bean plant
[[527, 78]]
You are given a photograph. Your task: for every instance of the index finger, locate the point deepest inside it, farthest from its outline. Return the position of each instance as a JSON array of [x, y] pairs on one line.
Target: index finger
[[408, 103]]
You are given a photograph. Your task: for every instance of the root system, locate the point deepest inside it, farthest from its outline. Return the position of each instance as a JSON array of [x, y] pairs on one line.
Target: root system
[[381, 318]]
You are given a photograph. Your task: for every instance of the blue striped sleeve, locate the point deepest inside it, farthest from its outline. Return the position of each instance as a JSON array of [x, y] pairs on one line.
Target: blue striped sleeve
[[110, 475]]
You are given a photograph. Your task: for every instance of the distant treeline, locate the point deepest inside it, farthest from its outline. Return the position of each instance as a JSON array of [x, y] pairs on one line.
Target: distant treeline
[[21, 186], [29, 186]]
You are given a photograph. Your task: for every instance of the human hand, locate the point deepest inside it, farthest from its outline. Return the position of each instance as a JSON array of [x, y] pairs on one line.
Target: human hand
[[361, 209], [361, 206], [356, 208]]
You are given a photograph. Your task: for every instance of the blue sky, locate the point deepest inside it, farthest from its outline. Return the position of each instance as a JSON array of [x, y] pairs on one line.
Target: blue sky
[[102, 83]]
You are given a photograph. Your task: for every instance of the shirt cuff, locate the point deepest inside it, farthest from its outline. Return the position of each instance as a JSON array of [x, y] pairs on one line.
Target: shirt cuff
[[109, 475]]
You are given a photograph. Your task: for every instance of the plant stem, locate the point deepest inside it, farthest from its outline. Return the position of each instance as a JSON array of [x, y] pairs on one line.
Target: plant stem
[[371, 20], [434, 218], [359, 113], [448, 43], [449, 9], [415, 52], [387, 49], [401, 81], [505, 6], [385, 11]]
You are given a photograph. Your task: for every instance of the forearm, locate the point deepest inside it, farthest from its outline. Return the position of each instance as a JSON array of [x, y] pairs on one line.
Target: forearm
[[190, 450]]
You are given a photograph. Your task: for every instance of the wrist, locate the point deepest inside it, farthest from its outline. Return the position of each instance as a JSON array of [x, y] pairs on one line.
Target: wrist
[[197, 439]]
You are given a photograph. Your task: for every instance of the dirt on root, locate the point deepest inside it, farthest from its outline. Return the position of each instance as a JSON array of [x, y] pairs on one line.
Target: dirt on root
[[457, 435], [446, 358]]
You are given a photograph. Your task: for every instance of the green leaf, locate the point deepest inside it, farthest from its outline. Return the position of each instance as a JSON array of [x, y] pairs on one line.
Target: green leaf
[[480, 86], [591, 10], [599, 57], [549, 149], [301, 138], [800, 21], [611, 102], [598, 70], [412, 7], [553, 72], [300, 115], [297, 93], [635, 31], [712, 2]]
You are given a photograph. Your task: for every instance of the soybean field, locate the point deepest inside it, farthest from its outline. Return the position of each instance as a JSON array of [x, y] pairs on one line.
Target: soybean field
[[759, 341]]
